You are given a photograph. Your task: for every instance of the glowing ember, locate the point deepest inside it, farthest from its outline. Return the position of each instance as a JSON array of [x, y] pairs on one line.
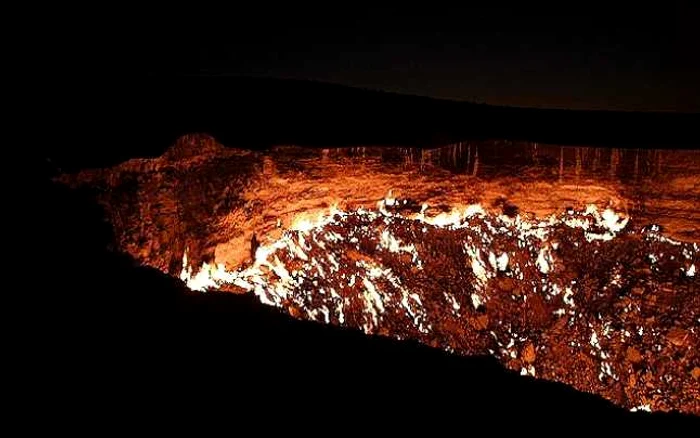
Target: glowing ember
[[364, 269]]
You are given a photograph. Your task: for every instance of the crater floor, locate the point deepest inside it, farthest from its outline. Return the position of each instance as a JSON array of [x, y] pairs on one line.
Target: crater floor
[[569, 264]]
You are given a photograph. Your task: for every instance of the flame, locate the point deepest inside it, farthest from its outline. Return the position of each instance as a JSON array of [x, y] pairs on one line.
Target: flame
[[453, 218], [307, 221], [544, 261], [613, 221], [309, 269], [210, 276]]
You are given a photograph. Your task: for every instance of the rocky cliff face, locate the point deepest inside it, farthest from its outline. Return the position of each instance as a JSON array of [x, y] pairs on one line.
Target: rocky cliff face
[[159, 207], [212, 200]]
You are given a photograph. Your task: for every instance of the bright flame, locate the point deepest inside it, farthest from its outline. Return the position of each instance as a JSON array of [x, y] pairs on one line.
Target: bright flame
[[502, 262], [208, 277], [544, 261], [302, 268], [454, 218], [307, 221], [211, 276], [613, 221]]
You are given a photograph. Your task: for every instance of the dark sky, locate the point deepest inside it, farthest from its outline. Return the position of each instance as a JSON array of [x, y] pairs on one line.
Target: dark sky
[[579, 56]]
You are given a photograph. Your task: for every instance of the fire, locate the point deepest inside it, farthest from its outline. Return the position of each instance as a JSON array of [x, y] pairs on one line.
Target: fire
[[454, 218], [528, 289], [318, 229], [211, 276], [208, 276], [307, 221], [380, 271]]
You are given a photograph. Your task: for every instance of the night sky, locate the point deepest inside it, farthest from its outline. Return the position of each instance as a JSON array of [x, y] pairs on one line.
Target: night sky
[[581, 56]]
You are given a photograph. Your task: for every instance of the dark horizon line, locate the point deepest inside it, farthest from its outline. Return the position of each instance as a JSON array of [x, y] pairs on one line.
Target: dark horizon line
[[205, 74]]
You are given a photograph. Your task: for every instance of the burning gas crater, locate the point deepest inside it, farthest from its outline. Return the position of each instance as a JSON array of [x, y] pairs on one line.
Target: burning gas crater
[[570, 298]]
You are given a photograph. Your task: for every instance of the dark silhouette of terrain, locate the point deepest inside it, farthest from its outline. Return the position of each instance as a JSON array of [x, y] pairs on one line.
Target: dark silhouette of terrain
[[103, 122], [123, 344]]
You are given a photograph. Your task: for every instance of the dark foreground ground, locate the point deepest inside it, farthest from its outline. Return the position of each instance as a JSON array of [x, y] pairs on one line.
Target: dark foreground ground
[[124, 344]]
